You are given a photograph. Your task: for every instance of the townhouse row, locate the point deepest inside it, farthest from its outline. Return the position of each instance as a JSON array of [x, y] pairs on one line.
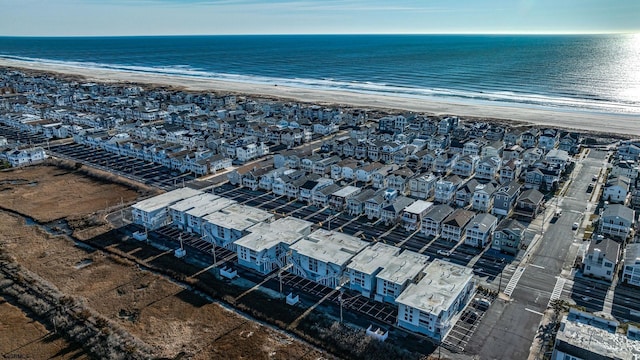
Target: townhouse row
[[429, 294]]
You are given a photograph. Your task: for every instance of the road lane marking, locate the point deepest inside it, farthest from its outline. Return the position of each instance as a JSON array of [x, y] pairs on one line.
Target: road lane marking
[[537, 266], [514, 280], [533, 311], [557, 290]]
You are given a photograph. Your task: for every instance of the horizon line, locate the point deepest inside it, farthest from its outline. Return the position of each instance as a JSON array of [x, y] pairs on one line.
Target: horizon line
[[634, 32]]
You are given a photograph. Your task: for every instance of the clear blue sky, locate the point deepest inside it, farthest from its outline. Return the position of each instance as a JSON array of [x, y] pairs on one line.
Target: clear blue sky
[[159, 17]]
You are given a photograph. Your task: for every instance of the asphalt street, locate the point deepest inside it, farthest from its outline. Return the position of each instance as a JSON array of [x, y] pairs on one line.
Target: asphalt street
[[515, 322]]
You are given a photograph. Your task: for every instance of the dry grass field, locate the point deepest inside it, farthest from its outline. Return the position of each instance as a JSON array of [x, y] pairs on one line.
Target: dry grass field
[[48, 193], [157, 311]]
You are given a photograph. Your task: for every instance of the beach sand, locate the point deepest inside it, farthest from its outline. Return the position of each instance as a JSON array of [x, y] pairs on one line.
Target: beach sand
[[622, 124]]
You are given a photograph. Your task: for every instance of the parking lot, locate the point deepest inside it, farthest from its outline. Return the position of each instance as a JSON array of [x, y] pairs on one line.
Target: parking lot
[[136, 169], [487, 266], [468, 322], [21, 138]]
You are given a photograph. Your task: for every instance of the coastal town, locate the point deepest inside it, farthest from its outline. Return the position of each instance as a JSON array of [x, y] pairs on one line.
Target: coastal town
[[476, 236]]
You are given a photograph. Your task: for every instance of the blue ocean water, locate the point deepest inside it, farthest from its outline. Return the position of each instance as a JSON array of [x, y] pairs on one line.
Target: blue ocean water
[[579, 72]]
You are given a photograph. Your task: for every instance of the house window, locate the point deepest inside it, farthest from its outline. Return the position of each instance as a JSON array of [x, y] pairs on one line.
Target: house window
[[313, 265], [408, 315], [588, 267], [609, 272], [608, 265]]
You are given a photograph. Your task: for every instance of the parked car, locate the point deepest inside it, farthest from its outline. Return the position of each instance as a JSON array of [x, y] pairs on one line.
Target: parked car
[[575, 226], [444, 252], [481, 304]]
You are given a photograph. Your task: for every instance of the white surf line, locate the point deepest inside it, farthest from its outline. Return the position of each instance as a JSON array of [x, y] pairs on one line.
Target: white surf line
[[533, 311]]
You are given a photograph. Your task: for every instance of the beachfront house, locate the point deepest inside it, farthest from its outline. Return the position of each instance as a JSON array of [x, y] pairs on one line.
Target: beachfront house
[[323, 256], [431, 306]]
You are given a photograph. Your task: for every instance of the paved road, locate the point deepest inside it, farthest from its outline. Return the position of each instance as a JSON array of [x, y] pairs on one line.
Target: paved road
[[508, 333]]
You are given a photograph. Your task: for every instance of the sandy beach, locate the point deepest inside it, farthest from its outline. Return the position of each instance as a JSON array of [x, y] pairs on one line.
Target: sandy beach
[[622, 124]]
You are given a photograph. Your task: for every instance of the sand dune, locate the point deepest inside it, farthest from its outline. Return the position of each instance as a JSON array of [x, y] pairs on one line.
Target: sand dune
[[623, 124]]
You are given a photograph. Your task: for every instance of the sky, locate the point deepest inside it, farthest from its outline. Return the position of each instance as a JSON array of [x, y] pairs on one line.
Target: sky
[[182, 17]]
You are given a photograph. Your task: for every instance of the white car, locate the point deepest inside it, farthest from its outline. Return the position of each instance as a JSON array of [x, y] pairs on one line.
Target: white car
[[444, 252]]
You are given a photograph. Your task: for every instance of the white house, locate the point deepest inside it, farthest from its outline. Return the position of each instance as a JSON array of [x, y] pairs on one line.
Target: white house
[[480, 230], [413, 214], [401, 270], [631, 269], [616, 221], [616, 190], [432, 221], [265, 248], [431, 306], [323, 256], [153, 213], [454, 226], [26, 156], [364, 267], [226, 226], [178, 211], [601, 259]]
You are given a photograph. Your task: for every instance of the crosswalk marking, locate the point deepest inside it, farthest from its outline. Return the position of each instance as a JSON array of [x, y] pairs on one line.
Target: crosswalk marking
[[557, 289], [514, 280]]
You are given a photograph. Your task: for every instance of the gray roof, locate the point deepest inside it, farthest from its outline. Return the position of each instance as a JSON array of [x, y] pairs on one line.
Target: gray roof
[[483, 221], [532, 195], [399, 204], [609, 249], [439, 212], [510, 224], [459, 217], [618, 210]]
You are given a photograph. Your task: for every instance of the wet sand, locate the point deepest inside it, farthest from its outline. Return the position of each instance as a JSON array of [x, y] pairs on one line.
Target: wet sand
[[622, 124]]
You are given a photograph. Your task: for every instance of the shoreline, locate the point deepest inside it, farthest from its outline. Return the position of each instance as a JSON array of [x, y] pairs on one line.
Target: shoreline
[[610, 123]]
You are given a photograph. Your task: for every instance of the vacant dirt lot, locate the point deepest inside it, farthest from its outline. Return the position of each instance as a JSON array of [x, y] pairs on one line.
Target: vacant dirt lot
[[150, 307], [48, 193]]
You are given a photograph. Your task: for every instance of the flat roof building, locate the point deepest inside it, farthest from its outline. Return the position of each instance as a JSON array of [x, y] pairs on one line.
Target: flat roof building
[[265, 248], [430, 306], [323, 256], [231, 223], [179, 210], [401, 270], [589, 337], [153, 213], [364, 267]]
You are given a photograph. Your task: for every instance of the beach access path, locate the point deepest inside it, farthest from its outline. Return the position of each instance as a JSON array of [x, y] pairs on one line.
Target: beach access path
[[623, 124]]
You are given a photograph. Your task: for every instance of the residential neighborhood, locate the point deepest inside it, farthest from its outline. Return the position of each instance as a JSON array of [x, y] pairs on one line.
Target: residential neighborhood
[[419, 217]]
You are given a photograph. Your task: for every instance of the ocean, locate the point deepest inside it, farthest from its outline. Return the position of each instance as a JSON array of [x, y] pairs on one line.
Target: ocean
[[595, 73]]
